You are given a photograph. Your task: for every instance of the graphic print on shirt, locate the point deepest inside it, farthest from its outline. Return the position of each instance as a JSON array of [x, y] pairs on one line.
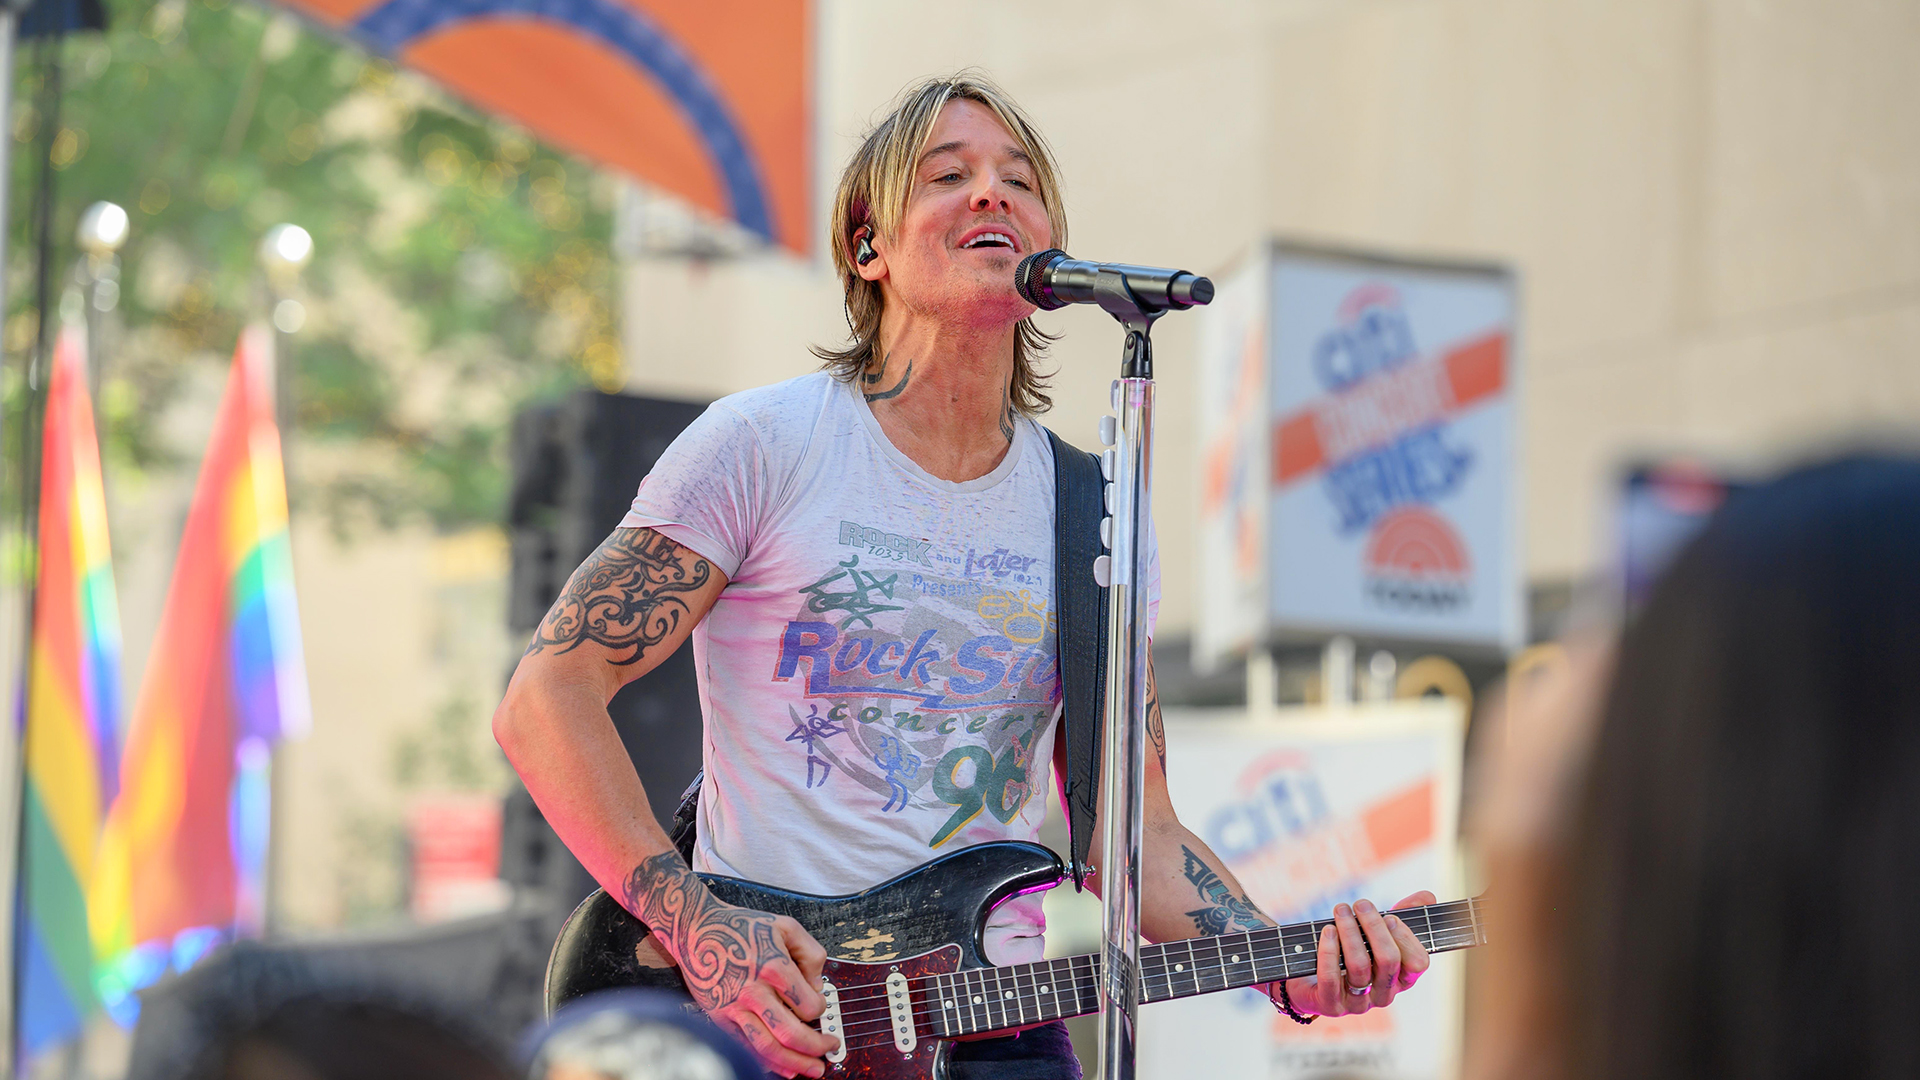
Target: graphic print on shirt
[[929, 677]]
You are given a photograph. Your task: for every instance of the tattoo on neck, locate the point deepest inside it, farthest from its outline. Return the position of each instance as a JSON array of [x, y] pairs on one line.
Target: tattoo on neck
[[1006, 417], [893, 393], [721, 948], [870, 378], [629, 594], [1222, 910]]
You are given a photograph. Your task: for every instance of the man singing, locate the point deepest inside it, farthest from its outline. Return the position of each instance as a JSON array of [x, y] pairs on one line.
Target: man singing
[[864, 558]]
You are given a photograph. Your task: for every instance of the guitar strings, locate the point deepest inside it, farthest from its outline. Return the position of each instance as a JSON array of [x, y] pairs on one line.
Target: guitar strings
[[1013, 1011], [1443, 938], [855, 1023], [1164, 965], [859, 1023]]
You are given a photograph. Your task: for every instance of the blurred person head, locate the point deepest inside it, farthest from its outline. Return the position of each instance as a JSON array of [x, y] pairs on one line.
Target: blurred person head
[[636, 1035], [252, 1012], [1723, 891], [952, 155], [349, 1037]]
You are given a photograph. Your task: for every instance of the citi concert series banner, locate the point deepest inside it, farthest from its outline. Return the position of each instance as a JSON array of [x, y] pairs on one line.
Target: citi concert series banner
[[1373, 493], [1311, 808]]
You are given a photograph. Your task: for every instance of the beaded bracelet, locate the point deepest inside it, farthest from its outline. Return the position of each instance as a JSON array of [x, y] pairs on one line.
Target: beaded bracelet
[[1285, 1004]]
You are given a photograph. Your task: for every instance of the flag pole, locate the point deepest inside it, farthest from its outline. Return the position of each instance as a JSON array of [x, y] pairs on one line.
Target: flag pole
[[284, 252], [14, 688], [32, 420]]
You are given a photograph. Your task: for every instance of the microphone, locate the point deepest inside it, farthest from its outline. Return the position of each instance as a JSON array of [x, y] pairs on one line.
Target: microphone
[[1050, 280]]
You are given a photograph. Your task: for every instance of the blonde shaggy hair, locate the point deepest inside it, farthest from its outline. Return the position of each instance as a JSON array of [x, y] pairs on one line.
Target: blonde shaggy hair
[[873, 191]]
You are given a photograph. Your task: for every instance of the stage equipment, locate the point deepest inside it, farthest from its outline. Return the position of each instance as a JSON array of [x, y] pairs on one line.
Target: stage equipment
[[577, 463], [1050, 280], [1136, 296]]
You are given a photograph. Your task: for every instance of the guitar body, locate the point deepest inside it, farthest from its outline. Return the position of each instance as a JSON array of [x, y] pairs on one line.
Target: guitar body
[[927, 921]]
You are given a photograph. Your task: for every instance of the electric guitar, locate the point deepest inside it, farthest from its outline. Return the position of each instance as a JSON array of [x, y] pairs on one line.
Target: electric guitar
[[906, 973]]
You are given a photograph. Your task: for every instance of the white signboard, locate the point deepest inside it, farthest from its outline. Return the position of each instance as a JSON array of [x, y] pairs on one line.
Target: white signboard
[[1386, 450], [1309, 810]]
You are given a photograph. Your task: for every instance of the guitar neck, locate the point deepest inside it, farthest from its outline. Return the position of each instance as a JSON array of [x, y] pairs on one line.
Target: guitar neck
[[992, 999]]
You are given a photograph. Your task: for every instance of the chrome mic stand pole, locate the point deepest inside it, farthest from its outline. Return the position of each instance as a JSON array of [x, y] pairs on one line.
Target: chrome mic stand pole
[[1127, 467]]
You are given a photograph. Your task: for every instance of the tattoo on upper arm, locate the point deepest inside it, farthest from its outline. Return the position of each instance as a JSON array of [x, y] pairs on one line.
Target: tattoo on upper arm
[[1222, 910], [1156, 726], [629, 594], [725, 946], [876, 376]]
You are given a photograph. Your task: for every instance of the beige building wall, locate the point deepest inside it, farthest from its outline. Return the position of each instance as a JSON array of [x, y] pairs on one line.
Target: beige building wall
[[1713, 207], [407, 652]]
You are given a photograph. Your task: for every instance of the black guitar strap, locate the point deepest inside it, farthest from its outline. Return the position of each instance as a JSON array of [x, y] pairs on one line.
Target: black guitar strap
[[1079, 495]]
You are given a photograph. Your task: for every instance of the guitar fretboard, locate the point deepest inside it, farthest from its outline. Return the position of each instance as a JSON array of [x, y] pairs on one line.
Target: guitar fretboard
[[992, 999]]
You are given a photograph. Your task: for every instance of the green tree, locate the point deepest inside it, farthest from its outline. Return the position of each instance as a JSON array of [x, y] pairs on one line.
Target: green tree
[[460, 267]]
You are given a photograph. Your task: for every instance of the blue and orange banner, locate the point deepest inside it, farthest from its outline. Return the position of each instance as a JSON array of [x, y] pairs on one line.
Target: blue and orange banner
[[1310, 808], [1371, 490], [72, 731], [182, 857], [709, 101]]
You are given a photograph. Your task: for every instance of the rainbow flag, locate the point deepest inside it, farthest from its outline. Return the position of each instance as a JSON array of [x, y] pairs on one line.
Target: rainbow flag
[[72, 717], [183, 853]]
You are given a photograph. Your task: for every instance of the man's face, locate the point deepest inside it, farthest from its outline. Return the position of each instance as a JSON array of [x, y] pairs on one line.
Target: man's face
[[973, 214]]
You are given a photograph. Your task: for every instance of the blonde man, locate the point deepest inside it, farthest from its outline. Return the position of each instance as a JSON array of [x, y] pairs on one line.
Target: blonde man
[[864, 559]]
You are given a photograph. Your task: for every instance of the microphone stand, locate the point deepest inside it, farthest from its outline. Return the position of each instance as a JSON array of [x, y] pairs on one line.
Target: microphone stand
[[1127, 467]]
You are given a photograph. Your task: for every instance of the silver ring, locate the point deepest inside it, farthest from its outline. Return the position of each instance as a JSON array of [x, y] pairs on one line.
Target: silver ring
[[1360, 991]]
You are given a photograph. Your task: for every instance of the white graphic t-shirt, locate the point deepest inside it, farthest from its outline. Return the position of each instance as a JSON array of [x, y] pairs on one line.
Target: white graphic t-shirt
[[880, 677]]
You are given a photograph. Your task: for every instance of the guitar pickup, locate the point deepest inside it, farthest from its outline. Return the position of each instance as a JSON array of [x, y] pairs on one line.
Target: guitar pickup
[[830, 1024], [900, 1008]]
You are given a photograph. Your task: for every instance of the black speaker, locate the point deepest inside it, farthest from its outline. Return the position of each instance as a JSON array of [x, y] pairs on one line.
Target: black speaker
[[577, 463]]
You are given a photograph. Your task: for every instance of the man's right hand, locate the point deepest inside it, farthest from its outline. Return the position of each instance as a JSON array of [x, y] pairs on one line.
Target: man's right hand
[[754, 973]]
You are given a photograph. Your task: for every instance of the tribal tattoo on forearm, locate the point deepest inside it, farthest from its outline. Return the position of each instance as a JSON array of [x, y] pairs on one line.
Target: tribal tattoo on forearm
[[1222, 910], [629, 594], [721, 948], [1156, 725]]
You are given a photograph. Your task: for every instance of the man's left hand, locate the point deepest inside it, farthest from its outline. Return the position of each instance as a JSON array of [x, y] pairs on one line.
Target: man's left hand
[[1370, 981]]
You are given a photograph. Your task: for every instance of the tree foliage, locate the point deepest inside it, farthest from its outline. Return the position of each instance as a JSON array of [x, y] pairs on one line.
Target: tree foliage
[[460, 267]]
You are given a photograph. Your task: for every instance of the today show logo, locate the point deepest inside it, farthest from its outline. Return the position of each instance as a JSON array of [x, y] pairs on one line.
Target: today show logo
[[1415, 561]]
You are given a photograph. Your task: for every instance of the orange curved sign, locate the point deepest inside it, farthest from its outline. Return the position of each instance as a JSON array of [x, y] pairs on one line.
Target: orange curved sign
[[710, 101]]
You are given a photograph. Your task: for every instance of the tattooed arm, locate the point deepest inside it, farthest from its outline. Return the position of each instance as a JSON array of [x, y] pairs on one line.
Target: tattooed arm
[[626, 609], [751, 971], [1187, 891]]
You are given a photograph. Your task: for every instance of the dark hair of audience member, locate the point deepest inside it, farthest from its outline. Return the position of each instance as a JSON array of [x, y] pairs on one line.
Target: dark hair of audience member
[[327, 1038], [255, 1012], [1735, 898]]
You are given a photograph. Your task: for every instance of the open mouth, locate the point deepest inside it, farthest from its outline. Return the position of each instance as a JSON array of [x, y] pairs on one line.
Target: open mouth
[[991, 240]]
